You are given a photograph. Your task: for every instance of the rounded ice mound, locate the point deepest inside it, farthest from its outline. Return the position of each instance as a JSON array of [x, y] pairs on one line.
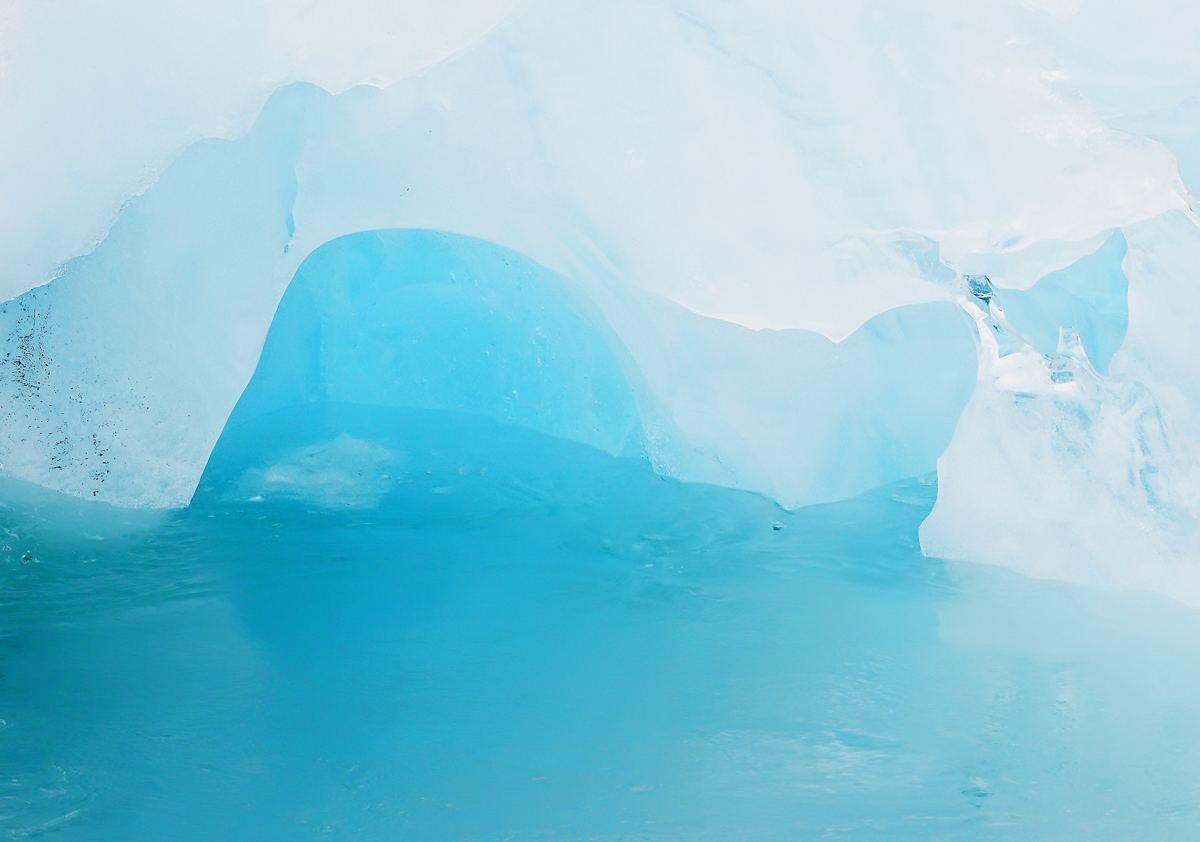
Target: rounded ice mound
[[387, 340], [430, 320]]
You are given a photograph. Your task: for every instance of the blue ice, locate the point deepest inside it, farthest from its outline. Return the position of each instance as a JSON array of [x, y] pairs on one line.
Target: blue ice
[[1090, 297]]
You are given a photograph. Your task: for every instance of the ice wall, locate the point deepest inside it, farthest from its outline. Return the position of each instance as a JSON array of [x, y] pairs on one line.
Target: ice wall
[[118, 377], [428, 320], [99, 96], [796, 416], [714, 148], [1089, 296], [765, 211]]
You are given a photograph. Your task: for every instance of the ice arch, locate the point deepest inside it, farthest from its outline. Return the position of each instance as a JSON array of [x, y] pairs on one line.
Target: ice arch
[[427, 320], [117, 378], [376, 329], [431, 320]]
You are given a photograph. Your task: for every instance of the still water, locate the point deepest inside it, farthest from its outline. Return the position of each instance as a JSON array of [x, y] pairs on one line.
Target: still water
[[429, 626]]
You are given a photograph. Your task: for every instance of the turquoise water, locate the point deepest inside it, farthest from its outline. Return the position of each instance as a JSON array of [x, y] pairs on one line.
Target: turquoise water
[[501, 635], [473, 621]]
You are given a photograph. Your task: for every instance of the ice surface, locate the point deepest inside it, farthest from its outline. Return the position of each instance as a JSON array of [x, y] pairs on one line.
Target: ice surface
[[118, 376], [765, 410], [431, 320], [99, 96], [757, 146], [437, 321], [1090, 297], [796, 416]]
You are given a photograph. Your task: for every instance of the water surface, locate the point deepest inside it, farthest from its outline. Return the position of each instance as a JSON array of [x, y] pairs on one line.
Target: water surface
[[400, 624]]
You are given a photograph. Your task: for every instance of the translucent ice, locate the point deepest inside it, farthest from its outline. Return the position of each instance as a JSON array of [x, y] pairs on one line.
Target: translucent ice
[[99, 96], [1089, 297], [761, 212], [438, 321], [764, 410]]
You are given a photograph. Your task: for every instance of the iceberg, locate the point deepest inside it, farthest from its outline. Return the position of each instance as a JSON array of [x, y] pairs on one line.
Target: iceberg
[[86, 415], [648, 419]]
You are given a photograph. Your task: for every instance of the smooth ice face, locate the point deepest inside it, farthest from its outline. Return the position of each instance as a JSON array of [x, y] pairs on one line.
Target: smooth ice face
[[796, 416], [763, 166], [424, 319], [1089, 296], [85, 412], [429, 320], [747, 161]]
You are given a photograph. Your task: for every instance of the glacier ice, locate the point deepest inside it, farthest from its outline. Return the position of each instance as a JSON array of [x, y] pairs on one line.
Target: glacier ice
[[84, 413], [739, 189], [100, 96], [1089, 296], [1091, 475], [430, 320], [424, 319], [514, 419], [734, 187]]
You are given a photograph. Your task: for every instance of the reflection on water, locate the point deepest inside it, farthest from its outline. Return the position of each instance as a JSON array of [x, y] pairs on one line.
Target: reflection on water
[[496, 635]]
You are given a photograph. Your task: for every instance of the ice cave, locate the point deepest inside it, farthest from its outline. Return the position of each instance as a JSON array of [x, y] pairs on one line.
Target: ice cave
[[666, 420]]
